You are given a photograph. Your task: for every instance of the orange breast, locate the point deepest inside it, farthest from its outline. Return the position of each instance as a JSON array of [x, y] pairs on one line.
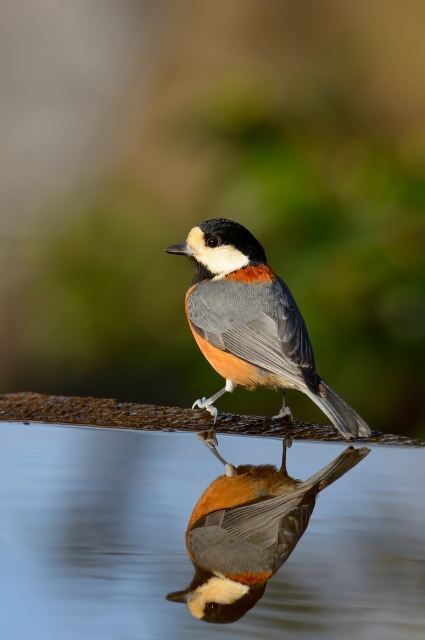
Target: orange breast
[[229, 366]]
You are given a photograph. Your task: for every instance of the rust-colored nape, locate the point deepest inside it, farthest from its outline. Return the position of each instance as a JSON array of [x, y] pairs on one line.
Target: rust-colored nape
[[262, 273], [251, 578]]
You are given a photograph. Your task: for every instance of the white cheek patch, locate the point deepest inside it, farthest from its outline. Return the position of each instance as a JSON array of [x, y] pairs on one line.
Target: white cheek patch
[[224, 260], [220, 590], [221, 260]]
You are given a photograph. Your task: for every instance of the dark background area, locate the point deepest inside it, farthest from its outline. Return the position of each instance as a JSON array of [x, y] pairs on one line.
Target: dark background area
[[126, 123]]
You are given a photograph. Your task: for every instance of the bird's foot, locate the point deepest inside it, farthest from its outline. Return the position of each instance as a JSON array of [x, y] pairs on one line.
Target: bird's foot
[[207, 404], [208, 437], [210, 440], [284, 414], [286, 444]]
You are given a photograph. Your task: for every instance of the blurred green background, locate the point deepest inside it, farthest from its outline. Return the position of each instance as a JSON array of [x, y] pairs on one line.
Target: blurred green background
[[306, 123]]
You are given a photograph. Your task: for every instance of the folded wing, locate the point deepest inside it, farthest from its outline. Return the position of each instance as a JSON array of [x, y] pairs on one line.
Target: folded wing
[[259, 323]]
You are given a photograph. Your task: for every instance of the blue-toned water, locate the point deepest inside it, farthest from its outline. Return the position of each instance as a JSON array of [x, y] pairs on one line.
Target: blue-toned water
[[92, 539]]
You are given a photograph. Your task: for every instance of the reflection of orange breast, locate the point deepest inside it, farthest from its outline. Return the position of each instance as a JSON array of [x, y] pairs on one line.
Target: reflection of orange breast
[[251, 483], [225, 493]]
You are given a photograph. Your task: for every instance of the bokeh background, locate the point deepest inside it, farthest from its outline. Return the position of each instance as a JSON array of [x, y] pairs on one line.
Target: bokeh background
[[124, 123]]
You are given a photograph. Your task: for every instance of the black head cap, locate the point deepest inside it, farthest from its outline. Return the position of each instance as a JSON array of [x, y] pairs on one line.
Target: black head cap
[[233, 233]]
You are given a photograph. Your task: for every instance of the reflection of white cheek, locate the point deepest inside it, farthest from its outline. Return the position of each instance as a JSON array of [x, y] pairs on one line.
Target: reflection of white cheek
[[221, 590]]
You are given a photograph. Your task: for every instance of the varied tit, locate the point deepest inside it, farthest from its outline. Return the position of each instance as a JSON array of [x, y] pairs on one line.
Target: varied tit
[[247, 323], [244, 527]]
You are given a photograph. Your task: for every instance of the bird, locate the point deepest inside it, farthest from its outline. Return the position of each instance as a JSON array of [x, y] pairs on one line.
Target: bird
[[248, 326], [244, 527]]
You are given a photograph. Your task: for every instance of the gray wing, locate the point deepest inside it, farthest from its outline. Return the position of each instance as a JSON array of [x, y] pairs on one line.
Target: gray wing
[[259, 323], [254, 538]]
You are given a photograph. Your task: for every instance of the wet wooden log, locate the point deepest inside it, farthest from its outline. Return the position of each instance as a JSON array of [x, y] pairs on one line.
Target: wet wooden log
[[106, 413]]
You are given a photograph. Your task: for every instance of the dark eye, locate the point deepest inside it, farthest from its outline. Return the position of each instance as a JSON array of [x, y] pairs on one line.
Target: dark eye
[[212, 606], [213, 242]]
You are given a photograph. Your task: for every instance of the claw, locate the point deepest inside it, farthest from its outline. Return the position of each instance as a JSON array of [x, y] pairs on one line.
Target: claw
[[202, 403], [199, 403], [284, 414], [213, 411], [208, 403]]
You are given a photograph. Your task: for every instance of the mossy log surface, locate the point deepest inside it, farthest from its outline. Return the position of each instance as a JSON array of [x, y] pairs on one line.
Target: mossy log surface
[[106, 413]]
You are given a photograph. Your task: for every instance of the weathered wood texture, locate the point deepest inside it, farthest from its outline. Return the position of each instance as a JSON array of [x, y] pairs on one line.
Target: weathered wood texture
[[34, 407]]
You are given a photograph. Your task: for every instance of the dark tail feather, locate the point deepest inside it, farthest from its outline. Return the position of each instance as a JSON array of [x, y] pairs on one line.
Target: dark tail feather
[[337, 468], [346, 420]]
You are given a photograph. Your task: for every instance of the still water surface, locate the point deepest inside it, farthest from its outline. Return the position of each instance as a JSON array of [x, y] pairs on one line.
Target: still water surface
[[92, 539]]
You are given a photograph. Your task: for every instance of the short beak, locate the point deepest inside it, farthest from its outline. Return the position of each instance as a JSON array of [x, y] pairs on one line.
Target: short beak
[[177, 596], [179, 249]]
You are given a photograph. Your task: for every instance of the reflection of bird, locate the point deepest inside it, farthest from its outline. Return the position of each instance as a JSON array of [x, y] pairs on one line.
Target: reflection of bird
[[244, 527], [247, 323]]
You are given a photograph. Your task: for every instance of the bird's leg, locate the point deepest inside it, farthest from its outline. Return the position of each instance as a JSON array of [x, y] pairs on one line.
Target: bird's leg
[[208, 403], [285, 411], [286, 444], [210, 441]]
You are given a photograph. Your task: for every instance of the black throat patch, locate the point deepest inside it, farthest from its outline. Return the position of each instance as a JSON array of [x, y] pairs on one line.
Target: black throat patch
[[201, 272]]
